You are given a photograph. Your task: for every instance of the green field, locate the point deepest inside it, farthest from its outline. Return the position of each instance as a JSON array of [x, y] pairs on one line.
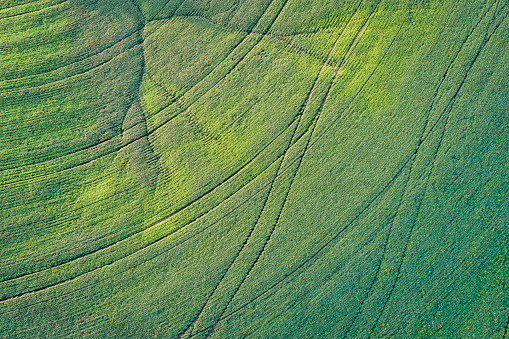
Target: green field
[[254, 169]]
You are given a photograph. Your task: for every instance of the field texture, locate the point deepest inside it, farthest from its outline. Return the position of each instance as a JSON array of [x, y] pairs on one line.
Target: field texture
[[254, 169]]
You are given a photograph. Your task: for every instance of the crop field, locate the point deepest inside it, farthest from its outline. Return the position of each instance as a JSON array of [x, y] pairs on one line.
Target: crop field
[[254, 169]]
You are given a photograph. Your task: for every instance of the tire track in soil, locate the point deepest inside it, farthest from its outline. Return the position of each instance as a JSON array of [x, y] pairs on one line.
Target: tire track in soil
[[506, 328], [445, 114], [243, 113], [181, 228], [259, 214], [236, 256], [19, 5], [157, 222], [299, 160], [154, 224], [153, 256], [176, 211], [269, 191], [84, 72], [414, 155], [164, 251], [330, 241], [176, 101], [391, 219]]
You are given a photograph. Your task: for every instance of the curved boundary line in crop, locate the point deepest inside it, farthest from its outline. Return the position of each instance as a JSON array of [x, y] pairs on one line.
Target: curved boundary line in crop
[[299, 159], [186, 205]]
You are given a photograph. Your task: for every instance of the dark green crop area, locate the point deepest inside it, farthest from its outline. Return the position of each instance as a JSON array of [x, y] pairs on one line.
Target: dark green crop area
[[254, 169]]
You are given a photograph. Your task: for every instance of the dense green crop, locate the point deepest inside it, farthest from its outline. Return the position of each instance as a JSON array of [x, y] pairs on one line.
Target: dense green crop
[[264, 168]]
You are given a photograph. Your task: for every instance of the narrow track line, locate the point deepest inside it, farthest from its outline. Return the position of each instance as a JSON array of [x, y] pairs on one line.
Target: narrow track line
[[157, 222], [88, 56], [166, 236], [109, 138], [163, 7], [238, 252], [275, 37], [110, 245], [187, 205], [321, 248], [391, 219], [506, 328], [84, 58], [144, 262], [19, 5], [100, 64], [264, 203], [243, 113], [312, 127]]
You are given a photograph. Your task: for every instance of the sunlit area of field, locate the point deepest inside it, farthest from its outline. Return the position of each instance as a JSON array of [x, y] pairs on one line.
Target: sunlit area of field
[[254, 169]]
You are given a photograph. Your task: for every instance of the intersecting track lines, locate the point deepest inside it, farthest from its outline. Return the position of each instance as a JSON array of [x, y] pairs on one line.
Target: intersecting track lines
[[391, 218], [184, 207], [180, 209], [445, 116], [274, 223], [277, 174], [177, 102], [134, 265], [276, 37], [302, 265], [422, 136], [154, 129], [159, 222]]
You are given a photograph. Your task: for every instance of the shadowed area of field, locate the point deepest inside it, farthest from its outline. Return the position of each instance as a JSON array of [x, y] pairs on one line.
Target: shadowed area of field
[[264, 169]]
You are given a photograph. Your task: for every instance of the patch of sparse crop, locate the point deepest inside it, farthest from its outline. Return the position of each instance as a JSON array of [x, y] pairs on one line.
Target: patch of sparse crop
[[266, 168]]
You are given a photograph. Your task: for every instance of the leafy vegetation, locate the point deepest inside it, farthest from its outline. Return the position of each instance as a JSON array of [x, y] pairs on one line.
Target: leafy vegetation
[[267, 169]]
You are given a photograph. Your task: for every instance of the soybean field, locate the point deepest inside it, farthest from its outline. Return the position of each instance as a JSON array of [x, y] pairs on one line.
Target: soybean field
[[254, 169]]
